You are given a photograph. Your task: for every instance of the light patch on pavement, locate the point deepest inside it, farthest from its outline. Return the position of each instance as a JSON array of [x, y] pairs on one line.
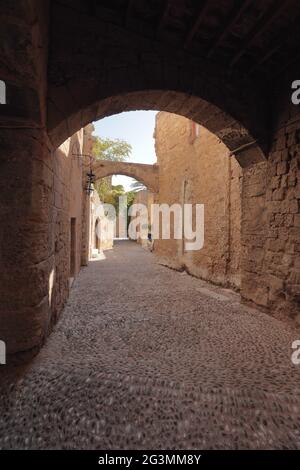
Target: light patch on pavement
[[213, 294]]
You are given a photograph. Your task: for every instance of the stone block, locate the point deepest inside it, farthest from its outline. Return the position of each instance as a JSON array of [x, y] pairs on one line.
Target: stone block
[[295, 234], [276, 245], [282, 168], [293, 206], [285, 155], [278, 194], [275, 182], [281, 141], [275, 283]]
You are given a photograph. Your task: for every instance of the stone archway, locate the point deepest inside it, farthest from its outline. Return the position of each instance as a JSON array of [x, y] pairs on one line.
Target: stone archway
[[147, 174], [78, 67], [247, 144], [123, 71]]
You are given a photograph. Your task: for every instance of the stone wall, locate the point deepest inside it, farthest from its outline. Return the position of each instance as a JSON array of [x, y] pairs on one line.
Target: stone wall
[[46, 193], [271, 222], [67, 205], [252, 216], [195, 167], [26, 178]]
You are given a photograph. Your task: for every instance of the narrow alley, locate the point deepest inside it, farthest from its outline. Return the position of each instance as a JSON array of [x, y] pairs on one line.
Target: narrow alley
[[147, 357]]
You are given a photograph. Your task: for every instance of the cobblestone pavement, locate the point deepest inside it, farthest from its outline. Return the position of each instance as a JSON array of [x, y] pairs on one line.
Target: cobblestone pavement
[[146, 357]]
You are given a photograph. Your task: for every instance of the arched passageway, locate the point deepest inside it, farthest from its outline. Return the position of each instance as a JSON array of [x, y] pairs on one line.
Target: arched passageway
[[247, 145], [229, 66], [82, 63]]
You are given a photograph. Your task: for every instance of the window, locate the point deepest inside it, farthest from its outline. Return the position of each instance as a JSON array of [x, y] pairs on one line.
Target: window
[[2, 92], [194, 131], [2, 352], [73, 247]]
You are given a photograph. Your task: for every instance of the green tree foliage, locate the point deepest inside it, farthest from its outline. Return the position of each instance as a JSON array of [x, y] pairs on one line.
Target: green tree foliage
[[114, 150], [112, 196], [103, 187], [130, 198]]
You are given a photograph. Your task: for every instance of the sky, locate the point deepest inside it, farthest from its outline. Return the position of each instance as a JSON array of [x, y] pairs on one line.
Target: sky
[[137, 128]]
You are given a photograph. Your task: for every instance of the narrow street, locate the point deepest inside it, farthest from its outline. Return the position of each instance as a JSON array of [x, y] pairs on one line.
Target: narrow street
[[145, 357]]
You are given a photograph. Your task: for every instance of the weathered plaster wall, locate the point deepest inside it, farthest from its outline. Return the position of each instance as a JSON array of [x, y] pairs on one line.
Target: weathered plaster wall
[[88, 143], [198, 169], [101, 228], [68, 197], [147, 198]]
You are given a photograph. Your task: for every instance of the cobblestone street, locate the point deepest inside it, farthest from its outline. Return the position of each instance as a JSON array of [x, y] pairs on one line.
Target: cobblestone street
[[146, 357]]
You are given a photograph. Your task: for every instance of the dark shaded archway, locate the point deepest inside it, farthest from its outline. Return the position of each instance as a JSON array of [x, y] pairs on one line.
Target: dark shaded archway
[[116, 69], [248, 146]]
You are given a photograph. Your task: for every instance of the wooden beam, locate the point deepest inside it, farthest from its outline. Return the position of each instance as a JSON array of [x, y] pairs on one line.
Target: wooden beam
[[195, 27], [291, 34], [92, 7], [128, 12], [163, 17], [275, 9], [265, 57], [292, 61], [234, 15]]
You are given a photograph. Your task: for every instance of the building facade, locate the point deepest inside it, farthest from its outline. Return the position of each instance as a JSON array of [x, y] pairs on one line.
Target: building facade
[[195, 167]]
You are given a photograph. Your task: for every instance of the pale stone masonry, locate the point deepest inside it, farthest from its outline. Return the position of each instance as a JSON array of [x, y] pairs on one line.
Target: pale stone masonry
[[252, 215], [70, 235], [271, 231], [195, 167]]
